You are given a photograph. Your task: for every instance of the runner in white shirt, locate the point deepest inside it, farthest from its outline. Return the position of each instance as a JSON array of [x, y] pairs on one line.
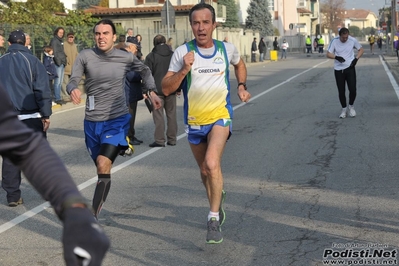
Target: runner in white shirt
[[341, 49], [203, 64]]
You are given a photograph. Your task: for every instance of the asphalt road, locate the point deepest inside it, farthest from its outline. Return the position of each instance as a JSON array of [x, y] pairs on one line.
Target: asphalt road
[[301, 183]]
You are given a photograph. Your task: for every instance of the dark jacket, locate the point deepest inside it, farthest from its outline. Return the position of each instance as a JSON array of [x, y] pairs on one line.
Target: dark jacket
[[262, 46], [26, 81], [133, 89], [59, 55], [48, 63], [275, 45], [254, 48], [158, 61]]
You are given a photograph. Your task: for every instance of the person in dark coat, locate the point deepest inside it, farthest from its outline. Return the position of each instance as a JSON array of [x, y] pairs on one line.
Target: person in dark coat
[[275, 44], [133, 86], [158, 61], [27, 84], [48, 62], [133, 92], [60, 61], [262, 49], [254, 48]]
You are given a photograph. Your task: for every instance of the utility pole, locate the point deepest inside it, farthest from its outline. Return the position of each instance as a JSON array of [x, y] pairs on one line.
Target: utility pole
[[319, 18], [393, 23], [167, 17]]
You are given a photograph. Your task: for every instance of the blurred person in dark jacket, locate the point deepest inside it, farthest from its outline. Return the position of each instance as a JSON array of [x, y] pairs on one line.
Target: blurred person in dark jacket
[[27, 84], [28, 150]]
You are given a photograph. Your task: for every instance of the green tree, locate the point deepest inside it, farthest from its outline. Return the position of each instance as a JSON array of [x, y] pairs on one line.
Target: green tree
[[259, 17], [84, 4], [355, 31], [333, 12], [231, 14], [40, 24], [51, 6], [276, 32], [369, 31]]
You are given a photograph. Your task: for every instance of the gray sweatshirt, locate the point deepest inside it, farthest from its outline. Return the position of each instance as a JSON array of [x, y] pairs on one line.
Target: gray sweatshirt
[[105, 80]]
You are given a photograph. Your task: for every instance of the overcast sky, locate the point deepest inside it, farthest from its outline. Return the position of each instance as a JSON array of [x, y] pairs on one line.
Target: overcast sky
[[372, 5]]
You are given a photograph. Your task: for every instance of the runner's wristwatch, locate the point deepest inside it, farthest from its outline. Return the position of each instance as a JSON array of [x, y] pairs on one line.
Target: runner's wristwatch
[[243, 84]]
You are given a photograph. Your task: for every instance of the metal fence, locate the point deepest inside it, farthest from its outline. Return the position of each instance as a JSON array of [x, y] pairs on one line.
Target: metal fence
[[41, 36]]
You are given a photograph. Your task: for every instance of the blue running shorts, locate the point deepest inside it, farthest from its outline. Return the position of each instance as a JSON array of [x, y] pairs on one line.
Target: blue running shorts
[[112, 132], [198, 134]]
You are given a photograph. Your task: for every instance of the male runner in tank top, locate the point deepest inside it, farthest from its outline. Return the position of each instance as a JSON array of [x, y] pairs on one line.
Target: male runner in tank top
[[203, 64]]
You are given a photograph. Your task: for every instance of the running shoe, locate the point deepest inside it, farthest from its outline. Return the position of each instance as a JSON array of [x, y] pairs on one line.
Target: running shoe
[[352, 112], [214, 235], [343, 113], [222, 214], [129, 151]]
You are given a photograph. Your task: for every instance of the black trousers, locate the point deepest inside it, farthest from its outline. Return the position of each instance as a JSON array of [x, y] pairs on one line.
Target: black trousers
[[11, 174], [343, 77]]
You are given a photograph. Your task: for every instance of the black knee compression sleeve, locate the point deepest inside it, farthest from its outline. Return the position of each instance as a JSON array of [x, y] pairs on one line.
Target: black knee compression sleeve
[[101, 192], [109, 151]]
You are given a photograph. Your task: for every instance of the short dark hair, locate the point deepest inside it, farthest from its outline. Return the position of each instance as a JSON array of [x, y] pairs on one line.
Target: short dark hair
[[58, 29], [159, 39], [47, 48], [201, 6], [105, 22], [343, 31], [122, 38]]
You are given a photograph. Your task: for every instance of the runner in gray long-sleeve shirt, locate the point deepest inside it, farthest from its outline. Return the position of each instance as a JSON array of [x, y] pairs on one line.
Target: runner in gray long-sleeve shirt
[[107, 116]]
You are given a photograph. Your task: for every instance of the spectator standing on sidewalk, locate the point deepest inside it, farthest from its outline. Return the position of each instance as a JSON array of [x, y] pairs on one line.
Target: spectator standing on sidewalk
[[71, 52], [28, 42], [48, 62], [60, 61], [158, 61], [316, 42], [262, 49], [284, 47], [275, 44], [133, 94], [253, 51], [341, 50], [26, 81]]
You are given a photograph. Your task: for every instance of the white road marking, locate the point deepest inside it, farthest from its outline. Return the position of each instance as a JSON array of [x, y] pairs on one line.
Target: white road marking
[[390, 76]]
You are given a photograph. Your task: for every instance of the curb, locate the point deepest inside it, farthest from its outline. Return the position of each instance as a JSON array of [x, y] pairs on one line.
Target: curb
[[394, 69]]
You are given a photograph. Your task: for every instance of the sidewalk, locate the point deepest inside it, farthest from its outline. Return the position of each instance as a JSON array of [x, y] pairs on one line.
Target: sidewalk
[[393, 65]]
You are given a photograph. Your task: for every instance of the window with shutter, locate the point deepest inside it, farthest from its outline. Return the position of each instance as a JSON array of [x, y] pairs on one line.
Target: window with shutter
[[140, 2]]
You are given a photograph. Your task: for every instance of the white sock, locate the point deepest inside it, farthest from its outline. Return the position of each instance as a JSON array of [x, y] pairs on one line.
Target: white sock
[[213, 215]]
